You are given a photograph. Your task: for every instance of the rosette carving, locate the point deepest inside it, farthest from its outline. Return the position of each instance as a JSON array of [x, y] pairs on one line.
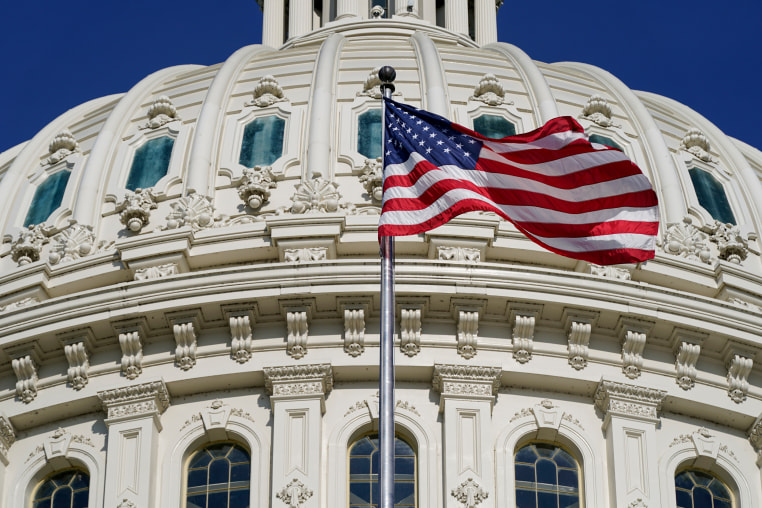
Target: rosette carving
[[136, 208], [317, 195], [193, 210], [685, 240], [255, 184], [72, 243]]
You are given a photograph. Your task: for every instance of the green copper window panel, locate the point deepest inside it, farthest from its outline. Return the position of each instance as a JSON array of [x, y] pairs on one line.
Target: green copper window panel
[[151, 163], [66, 489], [546, 477], [603, 140], [47, 198], [364, 467], [494, 126], [262, 141], [218, 477], [697, 489], [369, 133], [711, 195]]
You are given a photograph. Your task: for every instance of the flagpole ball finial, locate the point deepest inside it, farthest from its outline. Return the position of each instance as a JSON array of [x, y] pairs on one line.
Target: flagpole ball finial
[[387, 74]]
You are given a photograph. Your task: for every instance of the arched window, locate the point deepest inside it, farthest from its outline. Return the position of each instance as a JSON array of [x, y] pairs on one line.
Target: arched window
[[218, 475], [47, 198], [603, 140], [697, 489], [150, 163], [711, 195], [369, 133], [63, 489], [262, 141], [546, 475], [364, 468], [494, 126]]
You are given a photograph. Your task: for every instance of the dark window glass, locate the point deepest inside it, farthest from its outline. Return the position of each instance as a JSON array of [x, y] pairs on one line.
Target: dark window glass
[[47, 198], [493, 126], [546, 477], [151, 163], [262, 141], [698, 489], [66, 489], [218, 477], [369, 133], [711, 196], [364, 469], [603, 140]]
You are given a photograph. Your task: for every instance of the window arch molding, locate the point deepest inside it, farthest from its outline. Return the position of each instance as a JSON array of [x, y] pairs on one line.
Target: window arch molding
[[729, 186], [410, 427], [475, 109], [40, 466], [349, 124], [195, 436], [571, 438], [685, 455]]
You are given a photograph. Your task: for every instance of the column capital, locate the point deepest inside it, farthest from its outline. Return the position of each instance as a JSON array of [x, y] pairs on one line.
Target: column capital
[[629, 401], [299, 381], [135, 401], [466, 381]]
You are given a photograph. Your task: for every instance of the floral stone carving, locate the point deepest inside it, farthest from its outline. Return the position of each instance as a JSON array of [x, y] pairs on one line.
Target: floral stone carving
[[295, 494], [579, 338], [76, 355], [317, 195], [685, 364], [267, 92], [255, 184], [598, 111], [732, 245], [26, 374], [62, 145], [469, 493], [410, 331], [468, 327], [72, 243], [739, 368], [685, 240], [241, 344], [372, 179], [297, 326], [160, 113], [354, 331], [27, 247], [136, 208], [193, 210], [523, 337], [697, 144], [490, 91], [632, 353]]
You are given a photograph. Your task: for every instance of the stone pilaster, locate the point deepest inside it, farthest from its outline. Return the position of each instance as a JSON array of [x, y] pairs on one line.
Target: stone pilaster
[[467, 394], [297, 395], [631, 415], [132, 417]]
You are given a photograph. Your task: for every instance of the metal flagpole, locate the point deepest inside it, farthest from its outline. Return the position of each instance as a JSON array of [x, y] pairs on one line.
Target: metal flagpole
[[387, 75]]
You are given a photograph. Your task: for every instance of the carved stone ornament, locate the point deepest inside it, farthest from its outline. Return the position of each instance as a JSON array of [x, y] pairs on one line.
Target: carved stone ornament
[[372, 86], [755, 435], [126, 503], [598, 111], [410, 331], [490, 91], [295, 494], [305, 254], [62, 145], [74, 242], [267, 92], [685, 240], [523, 337], [135, 209], [685, 364], [135, 401], [28, 246], [185, 340], [466, 381], [25, 369], [314, 196], [7, 435], [620, 399], [730, 242], [372, 179], [579, 338], [464, 254], [632, 353], [610, 272], [255, 184], [132, 353], [157, 272], [371, 405], [79, 364], [160, 113], [739, 368], [193, 210], [299, 380], [469, 493], [468, 327], [24, 302], [697, 144], [354, 331], [637, 503], [241, 343], [297, 327]]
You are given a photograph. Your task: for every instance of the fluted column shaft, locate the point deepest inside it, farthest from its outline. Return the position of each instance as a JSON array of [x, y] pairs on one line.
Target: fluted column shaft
[[272, 24], [299, 17], [485, 22], [456, 16], [345, 9]]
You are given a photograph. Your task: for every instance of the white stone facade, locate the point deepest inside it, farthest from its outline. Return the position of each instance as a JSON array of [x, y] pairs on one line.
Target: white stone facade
[[244, 306]]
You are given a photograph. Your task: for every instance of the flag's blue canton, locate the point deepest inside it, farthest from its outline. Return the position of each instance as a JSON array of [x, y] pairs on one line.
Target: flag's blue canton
[[411, 130]]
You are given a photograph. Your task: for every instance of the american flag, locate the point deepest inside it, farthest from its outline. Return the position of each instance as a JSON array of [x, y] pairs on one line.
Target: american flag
[[575, 198]]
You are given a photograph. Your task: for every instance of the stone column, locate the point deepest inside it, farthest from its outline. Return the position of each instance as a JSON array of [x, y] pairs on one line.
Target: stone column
[[272, 24], [456, 16], [466, 397], [630, 421], [298, 403], [345, 9], [299, 17], [485, 21], [132, 418]]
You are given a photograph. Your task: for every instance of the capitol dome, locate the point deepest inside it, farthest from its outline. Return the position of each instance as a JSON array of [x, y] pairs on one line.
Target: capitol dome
[[189, 291]]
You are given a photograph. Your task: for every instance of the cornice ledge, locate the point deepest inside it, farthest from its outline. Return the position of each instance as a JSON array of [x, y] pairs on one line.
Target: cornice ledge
[[135, 401], [449, 376], [299, 379], [620, 399]]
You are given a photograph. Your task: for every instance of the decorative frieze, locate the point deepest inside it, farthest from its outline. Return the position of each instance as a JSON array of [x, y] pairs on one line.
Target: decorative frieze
[[267, 92], [242, 341], [72, 243], [135, 401], [60, 147], [610, 272], [598, 111], [25, 369], [685, 364], [79, 364], [468, 327], [299, 381], [135, 209], [132, 352], [490, 91], [523, 335], [156, 272], [19, 304], [28, 246], [193, 210], [160, 113], [696, 143], [620, 399], [739, 368], [295, 494], [469, 493], [255, 184], [685, 240], [632, 352], [297, 328], [463, 254], [316, 196], [354, 331], [466, 381], [372, 179], [185, 340], [410, 330], [305, 254]]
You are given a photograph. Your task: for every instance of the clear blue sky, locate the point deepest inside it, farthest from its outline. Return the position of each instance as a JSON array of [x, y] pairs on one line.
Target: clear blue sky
[[707, 55]]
